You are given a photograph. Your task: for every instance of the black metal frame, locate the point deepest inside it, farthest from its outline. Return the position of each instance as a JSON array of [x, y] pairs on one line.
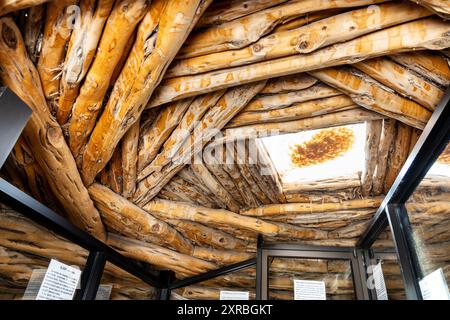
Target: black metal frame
[[392, 211], [281, 250]]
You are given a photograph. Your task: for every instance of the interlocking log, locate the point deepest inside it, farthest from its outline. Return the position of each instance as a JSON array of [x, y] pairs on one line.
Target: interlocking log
[[33, 31], [300, 40], [119, 214], [373, 137], [129, 150], [123, 19], [231, 35], [429, 33], [177, 152], [81, 50], [43, 133], [372, 95], [132, 92]]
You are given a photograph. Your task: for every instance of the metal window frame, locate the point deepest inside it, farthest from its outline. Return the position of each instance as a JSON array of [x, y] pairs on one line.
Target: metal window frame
[[392, 211], [281, 250]]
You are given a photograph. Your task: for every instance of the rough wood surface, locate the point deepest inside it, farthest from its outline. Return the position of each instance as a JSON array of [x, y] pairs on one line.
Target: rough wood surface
[[43, 133], [373, 137], [129, 150]]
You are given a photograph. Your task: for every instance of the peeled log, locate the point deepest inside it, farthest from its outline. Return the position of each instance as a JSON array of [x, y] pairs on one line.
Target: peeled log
[[223, 196], [207, 236], [127, 103], [173, 158], [114, 207], [56, 35], [129, 150], [174, 210], [285, 99], [293, 82], [80, 53], [121, 23], [303, 40], [224, 11], [154, 136], [427, 64], [243, 31], [44, 134], [398, 156], [309, 208], [356, 115], [385, 149], [370, 94], [371, 152], [160, 257], [429, 33], [441, 7], [403, 81], [295, 111], [221, 257], [8, 6]]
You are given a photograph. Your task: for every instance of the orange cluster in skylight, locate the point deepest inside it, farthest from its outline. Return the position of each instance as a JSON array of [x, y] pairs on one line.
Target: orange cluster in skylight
[[326, 145]]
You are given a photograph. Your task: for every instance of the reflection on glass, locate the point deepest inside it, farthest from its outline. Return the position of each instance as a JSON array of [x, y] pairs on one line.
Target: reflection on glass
[[243, 280], [385, 253], [336, 274], [429, 214], [25, 247]]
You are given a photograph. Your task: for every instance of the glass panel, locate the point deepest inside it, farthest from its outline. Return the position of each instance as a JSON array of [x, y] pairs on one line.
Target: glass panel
[[429, 214], [124, 286], [385, 253], [26, 246], [337, 275], [243, 280]]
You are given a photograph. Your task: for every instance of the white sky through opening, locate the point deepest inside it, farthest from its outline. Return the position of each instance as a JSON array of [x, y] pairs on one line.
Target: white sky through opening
[[346, 165]]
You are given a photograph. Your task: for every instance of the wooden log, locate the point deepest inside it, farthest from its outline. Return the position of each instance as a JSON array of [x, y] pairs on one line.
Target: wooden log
[[183, 264], [118, 210], [429, 33], [373, 137], [301, 40], [372, 95], [441, 7], [221, 257], [129, 148], [153, 137], [191, 193], [8, 6], [188, 175], [80, 53], [223, 11], [309, 208], [246, 30], [427, 64], [123, 19], [115, 171], [33, 31], [295, 111], [131, 94], [286, 99], [295, 82], [339, 118], [206, 236], [307, 19], [44, 134], [173, 158], [190, 120], [415, 135], [201, 293], [385, 149], [403, 81], [185, 211], [223, 196], [398, 156], [57, 33]]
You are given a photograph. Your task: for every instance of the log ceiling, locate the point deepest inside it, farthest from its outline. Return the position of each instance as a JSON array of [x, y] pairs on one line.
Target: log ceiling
[[126, 93]]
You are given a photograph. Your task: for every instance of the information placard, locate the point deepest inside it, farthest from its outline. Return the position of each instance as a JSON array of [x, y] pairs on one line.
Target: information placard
[[234, 295], [434, 286], [309, 290], [60, 282], [380, 286], [104, 292]]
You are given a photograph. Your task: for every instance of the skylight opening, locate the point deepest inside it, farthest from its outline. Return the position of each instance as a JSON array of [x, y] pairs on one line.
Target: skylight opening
[[318, 154], [442, 166]]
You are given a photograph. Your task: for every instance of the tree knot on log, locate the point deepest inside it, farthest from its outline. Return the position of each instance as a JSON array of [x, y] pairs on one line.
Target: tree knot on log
[[54, 137], [9, 36]]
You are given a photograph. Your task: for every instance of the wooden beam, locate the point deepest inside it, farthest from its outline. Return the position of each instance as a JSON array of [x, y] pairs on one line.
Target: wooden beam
[[372, 145]]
